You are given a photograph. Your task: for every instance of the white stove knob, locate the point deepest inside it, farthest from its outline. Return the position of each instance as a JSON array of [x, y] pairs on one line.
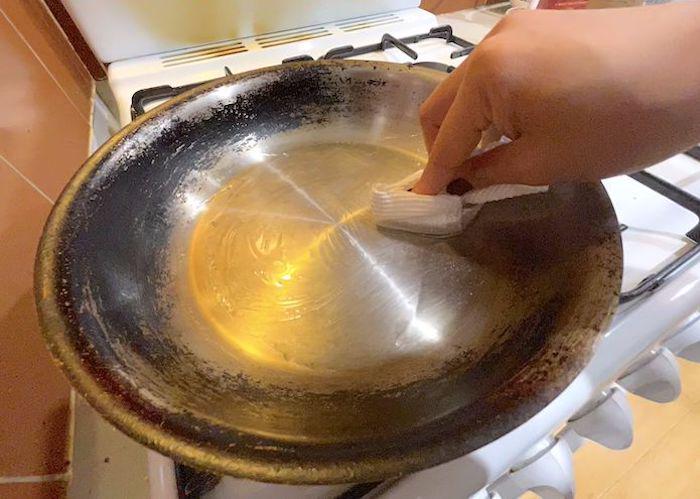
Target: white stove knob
[[608, 423], [484, 494], [658, 379], [549, 474], [572, 439], [686, 343]]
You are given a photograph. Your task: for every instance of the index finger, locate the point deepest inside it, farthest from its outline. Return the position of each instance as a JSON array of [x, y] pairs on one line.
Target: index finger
[[435, 107], [459, 134]]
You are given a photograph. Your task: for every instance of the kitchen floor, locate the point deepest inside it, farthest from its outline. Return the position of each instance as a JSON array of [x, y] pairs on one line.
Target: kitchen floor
[[664, 460]]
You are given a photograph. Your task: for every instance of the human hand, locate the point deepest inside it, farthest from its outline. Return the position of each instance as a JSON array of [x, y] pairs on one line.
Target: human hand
[[583, 95]]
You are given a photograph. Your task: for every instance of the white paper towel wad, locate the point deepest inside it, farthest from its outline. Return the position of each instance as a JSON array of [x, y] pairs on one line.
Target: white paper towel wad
[[394, 207]]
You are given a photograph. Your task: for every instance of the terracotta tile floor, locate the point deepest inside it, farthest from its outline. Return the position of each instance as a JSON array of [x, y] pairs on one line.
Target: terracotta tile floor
[[46, 490]]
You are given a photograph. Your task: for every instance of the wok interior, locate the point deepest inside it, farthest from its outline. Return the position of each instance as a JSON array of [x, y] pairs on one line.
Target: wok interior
[[222, 274]]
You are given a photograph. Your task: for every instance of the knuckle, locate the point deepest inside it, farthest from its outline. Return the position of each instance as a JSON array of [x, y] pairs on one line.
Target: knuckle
[[495, 62], [532, 173], [425, 113], [492, 54], [514, 20], [515, 17]]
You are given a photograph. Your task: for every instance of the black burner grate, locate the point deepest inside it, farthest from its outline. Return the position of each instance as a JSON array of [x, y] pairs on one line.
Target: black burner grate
[[143, 97], [683, 199], [388, 41], [147, 96]]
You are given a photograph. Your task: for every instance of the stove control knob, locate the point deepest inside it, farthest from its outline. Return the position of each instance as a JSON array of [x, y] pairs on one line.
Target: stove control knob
[[484, 494], [548, 473], [608, 422], [656, 379], [686, 343]]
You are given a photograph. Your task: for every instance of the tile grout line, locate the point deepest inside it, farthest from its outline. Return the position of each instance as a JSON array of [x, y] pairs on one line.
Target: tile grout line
[[91, 135], [55, 477], [26, 179], [31, 49], [649, 450], [70, 440]]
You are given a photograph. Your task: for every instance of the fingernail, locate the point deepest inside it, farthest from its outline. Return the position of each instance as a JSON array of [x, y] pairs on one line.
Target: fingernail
[[419, 188]]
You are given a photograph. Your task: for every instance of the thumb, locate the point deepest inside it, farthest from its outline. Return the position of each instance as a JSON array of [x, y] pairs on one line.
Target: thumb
[[512, 163]]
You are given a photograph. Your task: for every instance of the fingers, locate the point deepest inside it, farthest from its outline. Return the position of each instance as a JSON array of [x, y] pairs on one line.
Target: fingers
[[435, 107], [490, 135], [458, 135], [518, 162]]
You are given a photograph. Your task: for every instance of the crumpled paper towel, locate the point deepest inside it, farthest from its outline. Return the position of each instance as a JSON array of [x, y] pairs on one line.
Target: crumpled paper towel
[[395, 207]]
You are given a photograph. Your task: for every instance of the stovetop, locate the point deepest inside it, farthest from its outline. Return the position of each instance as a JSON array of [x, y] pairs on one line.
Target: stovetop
[[658, 209], [382, 50]]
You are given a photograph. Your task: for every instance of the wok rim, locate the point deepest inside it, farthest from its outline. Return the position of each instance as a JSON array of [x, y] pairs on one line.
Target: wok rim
[[55, 330]]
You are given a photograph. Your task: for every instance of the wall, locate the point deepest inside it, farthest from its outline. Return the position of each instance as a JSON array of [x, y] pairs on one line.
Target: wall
[[45, 105]]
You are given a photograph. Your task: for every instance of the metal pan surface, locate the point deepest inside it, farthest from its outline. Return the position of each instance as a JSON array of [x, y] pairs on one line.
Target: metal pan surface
[[211, 280]]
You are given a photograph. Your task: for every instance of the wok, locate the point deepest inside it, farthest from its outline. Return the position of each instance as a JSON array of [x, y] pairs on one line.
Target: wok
[[212, 282]]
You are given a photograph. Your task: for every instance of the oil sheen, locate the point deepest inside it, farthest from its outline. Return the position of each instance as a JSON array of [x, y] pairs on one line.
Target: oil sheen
[[288, 268]]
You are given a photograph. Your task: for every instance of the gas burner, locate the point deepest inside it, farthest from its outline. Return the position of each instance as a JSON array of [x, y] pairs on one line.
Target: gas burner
[[388, 41]]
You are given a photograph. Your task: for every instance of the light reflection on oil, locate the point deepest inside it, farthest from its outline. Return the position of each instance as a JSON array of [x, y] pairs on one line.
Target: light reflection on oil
[[278, 262]]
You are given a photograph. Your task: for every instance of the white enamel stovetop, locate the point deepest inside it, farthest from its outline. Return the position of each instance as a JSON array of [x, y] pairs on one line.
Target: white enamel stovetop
[[637, 352]]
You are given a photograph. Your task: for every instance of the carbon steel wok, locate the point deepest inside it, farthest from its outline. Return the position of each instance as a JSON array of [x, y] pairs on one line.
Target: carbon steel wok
[[212, 282]]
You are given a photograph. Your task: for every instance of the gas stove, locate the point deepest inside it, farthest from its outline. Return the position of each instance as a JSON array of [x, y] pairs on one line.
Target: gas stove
[[150, 96], [404, 36], [657, 319]]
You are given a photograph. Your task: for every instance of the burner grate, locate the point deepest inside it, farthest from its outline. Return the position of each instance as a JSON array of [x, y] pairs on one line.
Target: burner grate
[[147, 96], [684, 199], [388, 41]]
